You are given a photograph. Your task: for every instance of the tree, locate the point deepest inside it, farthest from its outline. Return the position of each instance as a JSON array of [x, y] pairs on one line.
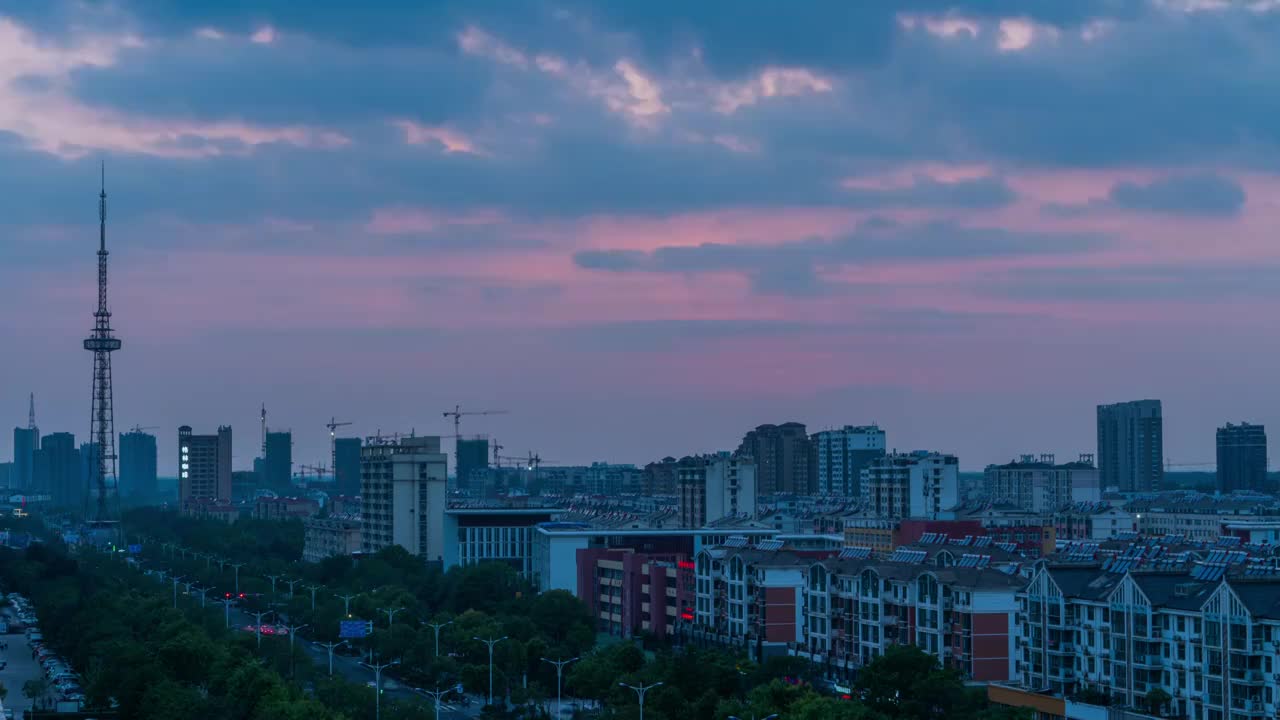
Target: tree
[[908, 684], [1156, 700], [34, 690]]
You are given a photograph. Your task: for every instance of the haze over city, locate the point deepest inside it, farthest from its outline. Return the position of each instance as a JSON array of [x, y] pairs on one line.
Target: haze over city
[[643, 229]]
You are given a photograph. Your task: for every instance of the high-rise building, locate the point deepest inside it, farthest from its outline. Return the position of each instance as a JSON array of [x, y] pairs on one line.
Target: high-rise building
[[713, 487], [1131, 446], [346, 461], [1242, 457], [782, 458], [473, 454], [6, 475], [89, 467], [56, 470], [278, 460], [915, 485], [204, 466], [138, 464], [25, 443], [403, 493], [1040, 484], [841, 455]]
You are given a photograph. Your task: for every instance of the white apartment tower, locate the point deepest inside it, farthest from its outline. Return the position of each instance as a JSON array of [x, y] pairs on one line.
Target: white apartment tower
[[841, 456], [403, 491], [914, 485]]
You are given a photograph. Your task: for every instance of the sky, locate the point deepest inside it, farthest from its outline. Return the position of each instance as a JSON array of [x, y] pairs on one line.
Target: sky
[[642, 229]]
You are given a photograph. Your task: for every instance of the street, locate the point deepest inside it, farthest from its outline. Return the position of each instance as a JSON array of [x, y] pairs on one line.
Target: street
[[20, 669]]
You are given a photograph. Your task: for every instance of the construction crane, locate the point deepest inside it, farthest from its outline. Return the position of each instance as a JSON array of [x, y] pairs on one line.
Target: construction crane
[[496, 457], [333, 426], [139, 428], [456, 413]]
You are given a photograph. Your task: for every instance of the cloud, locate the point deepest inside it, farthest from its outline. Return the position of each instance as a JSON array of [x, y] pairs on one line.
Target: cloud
[[926, 192], [794, 268], [1202, 283], [1204, 195]]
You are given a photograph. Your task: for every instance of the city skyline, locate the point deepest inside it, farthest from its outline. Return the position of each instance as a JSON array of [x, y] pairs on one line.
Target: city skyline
[[641, 241]]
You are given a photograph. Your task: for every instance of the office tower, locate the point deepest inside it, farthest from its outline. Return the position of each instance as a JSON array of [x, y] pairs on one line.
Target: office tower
[[403, 492], [914, 485], [25, 443], [713, 487], [7, 479], [204, 466], [1131, 446], [473, 454], [57, 471], [782, 458], [841, 455], [278, 460], [138, 464], [1039, 484], [1242, 457], [346, 465]]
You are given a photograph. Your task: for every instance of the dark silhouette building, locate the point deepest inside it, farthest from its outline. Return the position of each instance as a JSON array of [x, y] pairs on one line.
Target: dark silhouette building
[[89, 467], [660, 477], [1242, 457], [56, 470], [25, 443], [346, 465], [138, 464], [278, 461], [1131, 446], [783, 458], [473, 454]]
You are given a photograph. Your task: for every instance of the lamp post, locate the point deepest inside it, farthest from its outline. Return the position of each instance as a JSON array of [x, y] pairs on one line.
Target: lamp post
[[377, 686], [257, 628], [346, 603], [202, 592], [176, 580], [640, 692], [293, 632], [753, 717], [436, 627], [490, 642], [273, 579], [330, 646], [291, 583], [226, 606], [313, 589], [436, 695], [237, 567], [559, 669], [391, 614]]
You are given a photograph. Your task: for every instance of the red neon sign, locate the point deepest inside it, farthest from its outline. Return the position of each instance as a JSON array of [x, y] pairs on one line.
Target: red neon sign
[[685, 565]]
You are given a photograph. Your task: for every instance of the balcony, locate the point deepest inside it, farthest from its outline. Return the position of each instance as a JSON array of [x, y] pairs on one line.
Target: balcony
[[1148, 661]]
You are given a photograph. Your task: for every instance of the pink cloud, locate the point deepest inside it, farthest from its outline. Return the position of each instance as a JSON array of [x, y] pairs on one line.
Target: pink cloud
[[451, 140], [401, 221], [770, 83]]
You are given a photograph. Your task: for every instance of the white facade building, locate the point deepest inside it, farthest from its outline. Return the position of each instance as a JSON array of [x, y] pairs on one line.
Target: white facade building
[[403, 490], [1038, 484], [916, 485]]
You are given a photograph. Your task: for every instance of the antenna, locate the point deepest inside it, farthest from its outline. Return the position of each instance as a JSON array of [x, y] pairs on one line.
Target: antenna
[[264, 431], [31, 413], [101, 342]]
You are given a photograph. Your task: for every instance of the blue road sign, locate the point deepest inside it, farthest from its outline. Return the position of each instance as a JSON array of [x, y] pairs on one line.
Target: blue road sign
[[135, 549], [354, 628]]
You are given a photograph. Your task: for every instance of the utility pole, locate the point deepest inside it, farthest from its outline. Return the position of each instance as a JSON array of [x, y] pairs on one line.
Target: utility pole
[[330, 646], [377, 686], [257, 627], [436, 695], [490, 642], [640, 691], [559, 669], [391, 614], [313, 589], [436, 627]]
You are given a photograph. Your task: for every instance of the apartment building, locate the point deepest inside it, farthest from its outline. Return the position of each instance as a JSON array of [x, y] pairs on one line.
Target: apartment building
[[631, 593], [403, 491], [326, 537], [842, 454], [916, 485], [1207, 637], [1096, 521], [750, 597], [713, 487], [959, 609], [1040, 484]]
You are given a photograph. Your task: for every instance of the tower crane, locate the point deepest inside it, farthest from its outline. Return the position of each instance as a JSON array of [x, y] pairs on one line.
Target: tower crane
[[140, 428], [456, 413], [333, 426]]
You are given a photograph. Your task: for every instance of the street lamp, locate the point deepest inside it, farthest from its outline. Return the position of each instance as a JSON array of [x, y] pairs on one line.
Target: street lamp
[[257, 627], [377, 686], [176, 579], [559, 669], [490, 642], [436, 627], [237, 567], [753, 717], [330, 646], [313, 589], [293, 632], [346, 603], [640, 691], [391, 614], [273, 579], [226, 605], [291, 583], [436, 695]]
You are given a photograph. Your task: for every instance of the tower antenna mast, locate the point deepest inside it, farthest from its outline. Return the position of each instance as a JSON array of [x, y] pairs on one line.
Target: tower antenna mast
[[101, 342]]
